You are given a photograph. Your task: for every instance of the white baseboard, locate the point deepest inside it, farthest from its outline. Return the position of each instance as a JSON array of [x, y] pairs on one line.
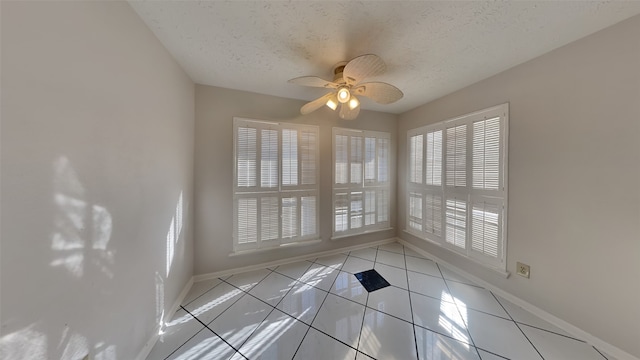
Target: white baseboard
[[578, 333], [142, 355], [223, 273]]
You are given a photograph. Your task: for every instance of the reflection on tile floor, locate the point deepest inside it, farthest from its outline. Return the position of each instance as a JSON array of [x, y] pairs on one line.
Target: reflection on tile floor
[[318, 310]]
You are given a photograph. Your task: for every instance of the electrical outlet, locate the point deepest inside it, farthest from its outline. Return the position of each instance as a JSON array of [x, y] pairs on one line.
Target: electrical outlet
[[522, 269]]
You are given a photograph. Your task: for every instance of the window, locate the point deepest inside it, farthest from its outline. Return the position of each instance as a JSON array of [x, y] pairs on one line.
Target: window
[[457, 184], [361, 181], [275, 184]]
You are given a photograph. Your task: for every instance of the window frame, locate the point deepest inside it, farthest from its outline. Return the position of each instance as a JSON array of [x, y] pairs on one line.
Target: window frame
[[470, 195], [381, 189], [280, 191]]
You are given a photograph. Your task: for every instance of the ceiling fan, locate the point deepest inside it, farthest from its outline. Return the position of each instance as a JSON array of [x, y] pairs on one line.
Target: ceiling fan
[[347, 83]]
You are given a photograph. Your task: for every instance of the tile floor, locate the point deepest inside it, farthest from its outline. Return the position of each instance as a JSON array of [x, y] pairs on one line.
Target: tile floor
[[318, 310]]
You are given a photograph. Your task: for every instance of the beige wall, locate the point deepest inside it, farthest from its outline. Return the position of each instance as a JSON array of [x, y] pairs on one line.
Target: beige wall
[[97, 145], [574, 172], [215, 109]]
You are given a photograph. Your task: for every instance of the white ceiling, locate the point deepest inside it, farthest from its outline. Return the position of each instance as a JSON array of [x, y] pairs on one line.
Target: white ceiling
[[431, 48]]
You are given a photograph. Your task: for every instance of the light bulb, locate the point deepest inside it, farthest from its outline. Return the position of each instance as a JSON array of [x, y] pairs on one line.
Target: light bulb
[[343, 95], [353, 103], [332, 104]]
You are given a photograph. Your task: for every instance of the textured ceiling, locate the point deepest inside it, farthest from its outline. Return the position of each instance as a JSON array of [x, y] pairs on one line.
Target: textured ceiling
[[431, 48]]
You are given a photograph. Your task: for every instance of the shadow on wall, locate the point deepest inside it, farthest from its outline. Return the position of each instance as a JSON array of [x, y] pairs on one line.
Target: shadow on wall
[[80, 281]]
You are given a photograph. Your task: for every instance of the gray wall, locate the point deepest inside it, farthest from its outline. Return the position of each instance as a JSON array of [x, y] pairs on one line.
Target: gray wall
[[215, 109], [97, 146], [574, 172]]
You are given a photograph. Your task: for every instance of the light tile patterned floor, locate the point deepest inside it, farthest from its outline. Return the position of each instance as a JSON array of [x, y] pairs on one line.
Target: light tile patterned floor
[[318, 310]]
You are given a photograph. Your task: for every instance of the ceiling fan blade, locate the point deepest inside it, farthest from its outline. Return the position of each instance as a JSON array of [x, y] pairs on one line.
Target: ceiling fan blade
[[314, 81], [315, 104], [380, 92], [346, 113], [362, 67]]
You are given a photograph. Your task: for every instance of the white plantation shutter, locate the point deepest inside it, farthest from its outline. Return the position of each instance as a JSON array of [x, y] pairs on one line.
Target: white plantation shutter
[[369, 207], [355, 209], [246, 148], [289, 157], [415, 211], [382, 200], [456, 222], [465, 211], [456, 161], [434, 158], [269, 158], [355, 160], [269, 218], [383, 160], [486, 232], [247, 219], [289, 217], [361, 181], [486, 154], [275, 183], [341, 211], [415, 158], [308, 163], [369, 159], [433, 214], [308, 215], [341, 163]]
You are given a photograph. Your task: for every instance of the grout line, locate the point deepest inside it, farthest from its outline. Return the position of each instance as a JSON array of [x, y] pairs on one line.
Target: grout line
[[413, 321], [459, 312], [492, 353], [549, 331], [214, 333], [270, 312], [366, 305], [319, 308], [517, 325], [186, 341]]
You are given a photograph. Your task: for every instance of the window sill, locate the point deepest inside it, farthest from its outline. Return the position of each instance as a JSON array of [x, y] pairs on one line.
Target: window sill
[[280, 247], [360, 233], [503, 272]]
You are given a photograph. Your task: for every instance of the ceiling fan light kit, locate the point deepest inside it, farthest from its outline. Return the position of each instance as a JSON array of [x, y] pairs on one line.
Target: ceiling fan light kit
[[347, 82]]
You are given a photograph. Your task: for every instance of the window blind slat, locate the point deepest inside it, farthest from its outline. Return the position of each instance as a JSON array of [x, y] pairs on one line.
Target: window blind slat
[[269, 218], [369, 207], [355, 209], [308, 163], [456, 222], [246, 157], [415, 211], [341, 165], [415, 159], [308, 224], [289, 157], [269, 159], [369, 160], [289, 217], [456, 161], [383, 205], [434, 158], [486, 154], [341, 211], [433, 214], [356, 160], [247, 220], [485, 228], [383, 160]]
